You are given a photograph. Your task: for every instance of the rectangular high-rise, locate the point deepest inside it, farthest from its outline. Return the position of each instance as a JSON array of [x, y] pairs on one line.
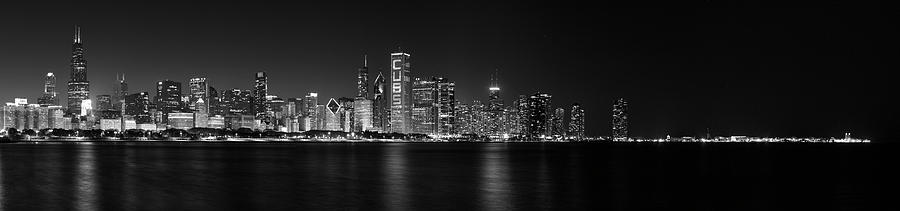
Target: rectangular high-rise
[[424, 112], [537, 116], [49, 97], [168, 97], [138, 106], [236, 102], [199, 96], [401, 97], [445, 106], [260, 90]]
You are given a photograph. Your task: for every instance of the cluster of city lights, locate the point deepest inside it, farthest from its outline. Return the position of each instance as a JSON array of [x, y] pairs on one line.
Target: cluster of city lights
[[747, 139]]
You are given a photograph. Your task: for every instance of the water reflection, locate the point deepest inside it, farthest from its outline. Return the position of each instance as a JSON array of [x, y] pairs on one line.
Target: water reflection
[[128, 180], [494, 180], [86, 180], [424, 176], [395, 178]]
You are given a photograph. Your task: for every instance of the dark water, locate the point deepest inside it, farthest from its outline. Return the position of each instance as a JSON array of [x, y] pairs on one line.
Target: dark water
[[342, 176]]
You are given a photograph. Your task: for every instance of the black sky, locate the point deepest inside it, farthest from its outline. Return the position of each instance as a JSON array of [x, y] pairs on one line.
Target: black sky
[[735, 69]]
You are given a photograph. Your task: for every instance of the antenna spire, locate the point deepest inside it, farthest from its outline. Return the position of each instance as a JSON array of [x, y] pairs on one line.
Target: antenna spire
[[77, 38], [365, 60]]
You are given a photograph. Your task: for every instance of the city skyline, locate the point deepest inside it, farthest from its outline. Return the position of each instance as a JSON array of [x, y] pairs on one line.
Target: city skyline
[[654, 113]]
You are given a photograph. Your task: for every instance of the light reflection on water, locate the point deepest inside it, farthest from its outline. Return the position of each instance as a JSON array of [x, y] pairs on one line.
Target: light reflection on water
[[402, 176], [86, 180], [495, 185], [395, 177]]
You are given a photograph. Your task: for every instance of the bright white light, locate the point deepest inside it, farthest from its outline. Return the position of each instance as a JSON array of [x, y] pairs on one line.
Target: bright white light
[[85, 107]]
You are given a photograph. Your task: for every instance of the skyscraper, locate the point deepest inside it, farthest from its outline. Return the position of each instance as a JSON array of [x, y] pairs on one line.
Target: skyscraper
[[168, 98], [401, 98], [445, 104], [494, 98], [424, 112], [620, 120], [557, 120], [311, 110], [537, 116], [137, 105], [362, 80], [260, 91], [333, 116], [576, 122], [236, 102], [199, 96], [494, 111], [380, 111], [78, 86], [121, 92], [104, 102], [214, 102], [49, 96]]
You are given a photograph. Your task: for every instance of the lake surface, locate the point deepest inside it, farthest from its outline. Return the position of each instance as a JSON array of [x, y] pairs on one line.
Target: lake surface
[[443, 176]]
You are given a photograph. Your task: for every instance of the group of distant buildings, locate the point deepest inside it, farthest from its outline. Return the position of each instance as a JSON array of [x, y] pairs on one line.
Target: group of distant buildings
[[396, 103]]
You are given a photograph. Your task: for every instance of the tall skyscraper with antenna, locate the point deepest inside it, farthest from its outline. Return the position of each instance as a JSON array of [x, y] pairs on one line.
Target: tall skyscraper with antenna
[[121, 89], [78, 85], [494, 98], [362, 79]]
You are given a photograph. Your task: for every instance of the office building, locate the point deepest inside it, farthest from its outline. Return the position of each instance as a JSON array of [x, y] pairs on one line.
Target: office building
[[168, 98], [78, 85], [401, 96], [620, 119], [576, 122], [49, 97]]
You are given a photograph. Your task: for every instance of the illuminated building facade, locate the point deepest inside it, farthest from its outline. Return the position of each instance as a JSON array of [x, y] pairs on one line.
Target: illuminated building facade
[[494, 110], [445, 106], [261, 108], [121, 93], [362, 114], [180, 120], [332, 117], [236, 102], [424, 112], [362, 80], [576, 122], [138, 105], [168, 98], [311, 110], [78, 85], [620, 120], [557, 120], [49, 97], [380, 106], [537, 113], [401, 97], [199, 95], [471, 118]]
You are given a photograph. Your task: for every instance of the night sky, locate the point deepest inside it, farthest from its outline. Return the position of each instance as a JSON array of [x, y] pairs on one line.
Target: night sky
[[735, 69]]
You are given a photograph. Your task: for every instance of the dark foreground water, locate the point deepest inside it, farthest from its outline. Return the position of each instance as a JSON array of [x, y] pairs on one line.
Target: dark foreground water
[[342, 176]]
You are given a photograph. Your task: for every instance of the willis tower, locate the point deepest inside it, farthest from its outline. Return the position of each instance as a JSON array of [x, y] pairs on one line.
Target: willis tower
[[79, 87]]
